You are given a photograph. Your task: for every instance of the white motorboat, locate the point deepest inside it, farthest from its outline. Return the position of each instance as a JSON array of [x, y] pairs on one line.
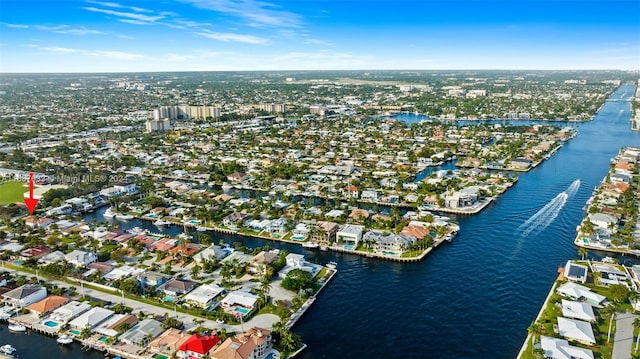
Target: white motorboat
[[64, 339], [109, 213], [161, 223], [310, 245], [324, 248], [124, 216], [332, 265], [16, 327], [8, 349]]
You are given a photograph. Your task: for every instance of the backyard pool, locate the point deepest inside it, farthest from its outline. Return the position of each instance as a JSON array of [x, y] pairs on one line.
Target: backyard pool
[[74, 332], [168, 298], [349, 246], [242, 311], [50, 324], [272, 355], [103, 339], [298, 238]]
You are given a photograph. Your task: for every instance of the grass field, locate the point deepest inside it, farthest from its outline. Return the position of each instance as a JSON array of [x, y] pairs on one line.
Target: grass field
[[11, 192]]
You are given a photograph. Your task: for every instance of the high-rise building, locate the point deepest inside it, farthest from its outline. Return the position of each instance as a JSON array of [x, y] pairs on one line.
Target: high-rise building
[[158, 125]]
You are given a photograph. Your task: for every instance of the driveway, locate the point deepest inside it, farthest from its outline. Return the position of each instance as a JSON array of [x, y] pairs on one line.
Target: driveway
[[623, 338]]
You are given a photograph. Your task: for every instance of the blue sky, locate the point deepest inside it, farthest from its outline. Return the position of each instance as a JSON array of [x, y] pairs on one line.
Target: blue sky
[[198, 35]]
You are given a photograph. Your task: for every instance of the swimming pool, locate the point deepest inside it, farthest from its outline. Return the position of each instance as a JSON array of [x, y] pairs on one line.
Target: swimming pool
[[298, 238], [272, 355], [168, 298], [50, 324], [242, 311], [74, 332], [103, 339], [349, 246]]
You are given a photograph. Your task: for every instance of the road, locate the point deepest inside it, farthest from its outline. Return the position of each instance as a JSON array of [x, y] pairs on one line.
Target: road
[[262, 321], [623, 338]]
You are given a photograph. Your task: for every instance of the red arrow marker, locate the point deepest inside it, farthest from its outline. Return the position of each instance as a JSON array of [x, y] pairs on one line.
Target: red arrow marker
[[31, 202]]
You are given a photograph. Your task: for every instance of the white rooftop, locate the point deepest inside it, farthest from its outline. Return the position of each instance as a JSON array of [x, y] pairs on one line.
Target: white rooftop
[[576, 330]]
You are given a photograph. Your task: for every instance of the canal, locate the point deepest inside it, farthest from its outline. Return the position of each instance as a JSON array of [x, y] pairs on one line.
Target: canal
[[475, 297]]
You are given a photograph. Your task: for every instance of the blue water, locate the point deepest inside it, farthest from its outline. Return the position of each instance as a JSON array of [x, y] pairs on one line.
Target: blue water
[[475, 297], [51, 324]]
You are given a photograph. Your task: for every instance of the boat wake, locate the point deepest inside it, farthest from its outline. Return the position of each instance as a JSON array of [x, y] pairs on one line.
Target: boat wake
[[547, 214]]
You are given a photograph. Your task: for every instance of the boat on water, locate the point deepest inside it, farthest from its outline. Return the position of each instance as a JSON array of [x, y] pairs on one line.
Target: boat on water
[[201, 229], [4, 316], [16, 327], [332, 265], [64, 339], [324, 248], [310, 245], [124, 216], [8, 349], [109, 213], [161, 223]]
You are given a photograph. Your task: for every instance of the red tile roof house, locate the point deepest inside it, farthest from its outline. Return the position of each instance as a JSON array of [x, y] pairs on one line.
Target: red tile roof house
[[33, 221], [197, 346], [35, 252]]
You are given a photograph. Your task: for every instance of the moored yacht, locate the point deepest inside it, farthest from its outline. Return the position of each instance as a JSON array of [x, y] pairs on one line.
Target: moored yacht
[[161, 223], [16, 327], [109, 213], [124, 216], [310, 245], [64, 339], [8, 349]]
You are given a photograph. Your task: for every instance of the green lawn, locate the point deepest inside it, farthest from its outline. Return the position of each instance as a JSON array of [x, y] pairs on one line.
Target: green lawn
[[11, 192]]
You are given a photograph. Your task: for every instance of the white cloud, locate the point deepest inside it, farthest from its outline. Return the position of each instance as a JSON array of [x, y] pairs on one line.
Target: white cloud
[[127, 15], [66, 29], [119, 6], [108, 54], [15, 26], [256, 13], [232, 37], [317, 42]]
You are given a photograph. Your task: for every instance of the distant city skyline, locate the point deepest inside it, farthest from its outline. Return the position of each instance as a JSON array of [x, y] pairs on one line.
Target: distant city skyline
[[247, 35]]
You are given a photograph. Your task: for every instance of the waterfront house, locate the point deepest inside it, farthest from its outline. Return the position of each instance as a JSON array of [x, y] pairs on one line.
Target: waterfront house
[[235, 219], [168, 342], [204, 296], [197, 346], [176, 287], [466, 197], [391, 243], [581, 293], [142, 333], [91, 318], [350, 234], [276, 226], [239, 298], [80, 258], [113, 326], [578, 310], [48, 304], [575, 272], [261, 259], [25, 295], [326, 232], [69, 311], [297, 261], [555, 348], [252, 344], [576, 330], [603, 220]]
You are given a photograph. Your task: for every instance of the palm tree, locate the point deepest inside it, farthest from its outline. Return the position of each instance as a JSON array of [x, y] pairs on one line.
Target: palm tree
[[534, 329], [610, 311], [583, 252], [636, 325]]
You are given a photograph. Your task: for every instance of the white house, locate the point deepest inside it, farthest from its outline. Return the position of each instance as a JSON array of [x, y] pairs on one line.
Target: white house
[[603, 220], [52, 257], [578, 310], [204, 295], [579, 292], [296, 261], [350, 234], [81, 258], [239, 298], [142, 333], [575, 272], [25, 295], [91, 318], [576, 330], [69, 311], [555, 348]]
